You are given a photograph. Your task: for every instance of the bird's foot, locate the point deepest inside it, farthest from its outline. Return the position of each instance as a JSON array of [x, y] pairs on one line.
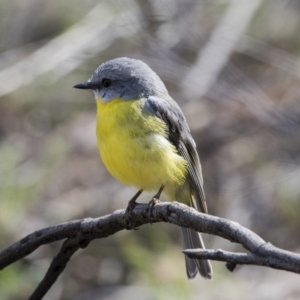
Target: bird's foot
[[151, 205], [154, 201], [128, 216]]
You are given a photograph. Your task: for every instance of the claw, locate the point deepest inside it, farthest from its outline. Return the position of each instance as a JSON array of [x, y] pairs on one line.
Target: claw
[[154, 201], [151, 204], [128, 219]]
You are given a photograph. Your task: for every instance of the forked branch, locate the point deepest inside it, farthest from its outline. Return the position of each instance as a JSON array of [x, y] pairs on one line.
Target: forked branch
[[78, 234]]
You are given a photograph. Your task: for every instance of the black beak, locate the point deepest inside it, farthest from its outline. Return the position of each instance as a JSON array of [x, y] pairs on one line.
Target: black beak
[[85, 86]]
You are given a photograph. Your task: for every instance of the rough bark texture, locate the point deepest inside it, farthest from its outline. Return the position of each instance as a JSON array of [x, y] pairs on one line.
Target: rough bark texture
[[79, 233]]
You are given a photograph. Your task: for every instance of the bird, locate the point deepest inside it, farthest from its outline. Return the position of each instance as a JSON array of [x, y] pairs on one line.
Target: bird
[[145, 142]]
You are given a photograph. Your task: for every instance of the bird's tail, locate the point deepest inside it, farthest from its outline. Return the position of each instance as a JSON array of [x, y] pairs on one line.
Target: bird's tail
[[192, 239]]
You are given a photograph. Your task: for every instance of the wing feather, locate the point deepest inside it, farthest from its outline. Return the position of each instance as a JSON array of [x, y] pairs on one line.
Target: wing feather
[[179, 135]]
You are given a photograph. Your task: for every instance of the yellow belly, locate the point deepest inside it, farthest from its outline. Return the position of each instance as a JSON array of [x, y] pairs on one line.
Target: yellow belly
[[134, 148]]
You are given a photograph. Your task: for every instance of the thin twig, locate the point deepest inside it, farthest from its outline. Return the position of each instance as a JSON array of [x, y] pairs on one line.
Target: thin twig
[[265, 258], [58, 264], [79, 233], [175, 213]]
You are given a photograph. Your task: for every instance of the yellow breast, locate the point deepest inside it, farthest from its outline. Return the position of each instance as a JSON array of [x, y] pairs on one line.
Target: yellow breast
[[134, 146]]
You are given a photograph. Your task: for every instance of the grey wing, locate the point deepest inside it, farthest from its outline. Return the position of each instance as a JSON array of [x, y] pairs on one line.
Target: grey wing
[[180, 136]]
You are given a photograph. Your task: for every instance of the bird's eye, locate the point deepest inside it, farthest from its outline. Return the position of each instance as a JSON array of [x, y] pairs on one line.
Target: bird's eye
[[106, 82]]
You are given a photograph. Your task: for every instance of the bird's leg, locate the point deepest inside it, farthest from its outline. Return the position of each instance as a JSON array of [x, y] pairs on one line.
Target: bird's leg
[[132, 202], [156, 197], [131, 205], [154, 201]]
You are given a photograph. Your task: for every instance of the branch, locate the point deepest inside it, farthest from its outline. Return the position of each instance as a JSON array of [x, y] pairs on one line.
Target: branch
[[69, 247], [282, 260], [80, 232]]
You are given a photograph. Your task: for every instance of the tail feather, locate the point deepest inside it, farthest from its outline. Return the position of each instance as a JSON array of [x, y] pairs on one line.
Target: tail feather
[[190, 264], [192, 240]]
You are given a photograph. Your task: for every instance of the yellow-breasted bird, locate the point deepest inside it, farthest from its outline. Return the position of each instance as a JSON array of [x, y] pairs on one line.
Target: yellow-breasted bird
[[144, 141]]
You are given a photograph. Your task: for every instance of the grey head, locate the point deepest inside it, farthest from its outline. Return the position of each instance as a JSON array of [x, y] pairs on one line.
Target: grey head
[[124, 78]]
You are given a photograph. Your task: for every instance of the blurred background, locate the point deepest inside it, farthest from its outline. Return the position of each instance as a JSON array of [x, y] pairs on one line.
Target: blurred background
[[233, 67]]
